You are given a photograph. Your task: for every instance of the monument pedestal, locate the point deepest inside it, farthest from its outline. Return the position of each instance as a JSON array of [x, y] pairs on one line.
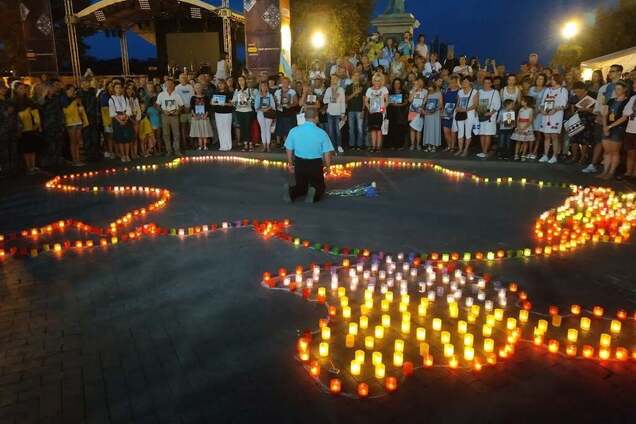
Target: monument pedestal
[[395, 24]]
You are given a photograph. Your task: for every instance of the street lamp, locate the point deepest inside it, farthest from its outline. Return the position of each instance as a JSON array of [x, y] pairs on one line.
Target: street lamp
[[570, 30], [318, 40]]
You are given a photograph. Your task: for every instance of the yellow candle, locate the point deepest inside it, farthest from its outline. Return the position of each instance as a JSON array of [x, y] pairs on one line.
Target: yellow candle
[[353, 328], [421, 310], [406, 327], [369, 342], [406, 316], [499, 314], [606, 339], [468, 339], [449, 350], [573, 335], [556, 320], [462, 327], [359, 356], [346, 312], [384, 305], [585, 323], [386, 320], [326, 333], [490, 320], [368, 304], [511, 323], [323, 349], [453, 310], [424, 349], [350, 340], [437, 324], [445, 337], [389, 296], [341, 291], [399, 345], [489, 345], [615, 327], [376, 358], [420, 334], [355, 367], [398, 359], [469, 353], [379, 371], [364, 322], [344, 301], [523, 315], [403, 307], [542, 325], [379, 332], [486, 330]]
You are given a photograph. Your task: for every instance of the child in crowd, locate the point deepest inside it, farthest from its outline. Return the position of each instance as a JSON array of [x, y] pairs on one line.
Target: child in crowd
[[146, 132], [524, 133], [506, 127], [155, 122]]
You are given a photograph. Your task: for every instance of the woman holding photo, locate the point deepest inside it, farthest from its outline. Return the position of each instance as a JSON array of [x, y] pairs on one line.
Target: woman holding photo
[[554, 102], [416, 109], [489, 105], [375, 101], [465, 115], [450, 102], [432, 115], [537, 92], [397, 111], [242, 101], [200, 126], [222, 107], [265, 113]]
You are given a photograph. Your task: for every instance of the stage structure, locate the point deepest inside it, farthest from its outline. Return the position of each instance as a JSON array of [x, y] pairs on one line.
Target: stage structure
[[268, 36], [187, 33]]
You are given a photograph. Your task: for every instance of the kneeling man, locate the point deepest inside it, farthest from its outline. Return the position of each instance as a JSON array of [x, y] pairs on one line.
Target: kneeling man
[[308, 153]]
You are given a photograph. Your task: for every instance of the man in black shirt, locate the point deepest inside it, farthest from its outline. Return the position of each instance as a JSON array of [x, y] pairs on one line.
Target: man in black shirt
[[355, 111]]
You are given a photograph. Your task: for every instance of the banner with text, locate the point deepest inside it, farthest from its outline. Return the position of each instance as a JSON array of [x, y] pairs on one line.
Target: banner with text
[[38, 36]]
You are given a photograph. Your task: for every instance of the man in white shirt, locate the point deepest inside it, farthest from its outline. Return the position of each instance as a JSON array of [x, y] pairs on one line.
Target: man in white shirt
[[336, 103], [170, 104], [185, 91]]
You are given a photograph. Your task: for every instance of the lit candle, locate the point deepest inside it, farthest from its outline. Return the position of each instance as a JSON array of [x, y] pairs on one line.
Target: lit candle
[[350, 340], [462, 327], [323, 349], [489, 345], [406, 327], [355, 367], [511, 323], [399, 345], [385, 304], [437, 324], [588, 351], [615, 327], [445, 337], [499, 314], [449, 350], [573, 335], [542, 325], [364, 322], [386, 320], [556, 320], [553, 346], [359, 356], [468, 339], [469, 353], [570, 350], [585, 323], [486, 330], [369, 342], [379, 371], [398, 359], [326, 333], [376, 358], [605, 341], [379, 331], [420, 334]]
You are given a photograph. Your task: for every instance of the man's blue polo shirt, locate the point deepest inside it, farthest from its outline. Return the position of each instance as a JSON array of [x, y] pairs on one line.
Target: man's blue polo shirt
[[308, 141]]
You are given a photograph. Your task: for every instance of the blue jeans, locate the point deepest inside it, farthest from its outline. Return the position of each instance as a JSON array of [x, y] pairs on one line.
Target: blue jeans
[[505, 143], [333, 129], [356, 129]]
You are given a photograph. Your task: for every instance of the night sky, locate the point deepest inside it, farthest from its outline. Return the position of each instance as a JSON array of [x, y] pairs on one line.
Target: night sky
[[504, 29]]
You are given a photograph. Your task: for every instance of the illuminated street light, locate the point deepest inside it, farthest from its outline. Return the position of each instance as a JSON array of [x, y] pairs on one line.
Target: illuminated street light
[[570, 30], [318, 40]]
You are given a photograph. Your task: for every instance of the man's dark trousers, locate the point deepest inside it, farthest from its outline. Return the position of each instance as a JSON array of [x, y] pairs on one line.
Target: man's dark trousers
[[307, 172]]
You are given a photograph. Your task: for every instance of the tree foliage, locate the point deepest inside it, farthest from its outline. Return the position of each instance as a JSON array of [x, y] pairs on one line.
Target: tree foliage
[[612, 30], [344, 23]]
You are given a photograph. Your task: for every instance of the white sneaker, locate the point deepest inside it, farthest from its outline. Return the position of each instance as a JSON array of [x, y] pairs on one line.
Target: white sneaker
[[553, 160], [544, 159], [481, 155], [340, 149], [590, 169]]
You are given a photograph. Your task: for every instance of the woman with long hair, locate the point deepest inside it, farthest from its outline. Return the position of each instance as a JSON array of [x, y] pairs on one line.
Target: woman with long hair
[[133, 100], [30, 141], [75, 119], [265, 106], [375, 101], [222, 106], [200, 126], [554, 102], [614, 126], [536, 92], [120, 113], [465, 116], [396, 113], [242, 100], [450, 102]]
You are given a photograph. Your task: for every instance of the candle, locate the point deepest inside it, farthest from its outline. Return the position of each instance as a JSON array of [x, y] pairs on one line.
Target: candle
[[462, 327], [489, 345], [445, 337], [486, 330], [570, 350], [556, 320], [359, 356], [391, 384], [355, 367], [437, 324], [585, 323], [468, 339], [511, 323], [363, 390], [573, 335], [542, 325], [326, 333], [399, 345], [353, 328], [449, 350], [469, 353], [369, 342], [364, 322], [379, 371], [615, 327], [605, 341], [379, 332], [323, 349], [424, 349], [376, 358], [335, 386], [346, 312], [386, 320], [398, 359], [420, 334], [406, 327], [350, 340]]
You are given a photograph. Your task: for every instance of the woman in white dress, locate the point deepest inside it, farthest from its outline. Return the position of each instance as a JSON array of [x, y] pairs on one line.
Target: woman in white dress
[[537, 92], [416, 121], [554, 102], [465, 116], [489, 105]]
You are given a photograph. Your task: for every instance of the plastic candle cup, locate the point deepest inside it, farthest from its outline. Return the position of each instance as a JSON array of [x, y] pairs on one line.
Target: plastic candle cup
[[350, 340], [445, 337], [369, 342], [346, 312], [390, 384], [398, 359], [359, 356], [489, 345], [389, 296], [323, 349], [420, 334], [605, 341], [355, 367], [486, 330], [511, 323], [341, 291], [570, 350], [588, 351], [603, 354], [437, 324], [353, 328], [490, 320], [386, 320], [364, 322], [499, 314], [542, 325], [335, 386], [469, 353], [462, 327], [556, 320], [379, 370], [573, 335], [585, 323], [621, 354], [424, 349], [399, 345], [468, 339], [344, 301], [325, 333], [421, 310], [449, 350], [615, 327], [406, 327], [384, 305], [379, 332], [376, 358], [363, 390], [406, 316]]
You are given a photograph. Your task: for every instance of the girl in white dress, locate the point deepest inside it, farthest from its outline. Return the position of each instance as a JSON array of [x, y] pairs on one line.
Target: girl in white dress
[[465, 116], [553, 103], [489, 105]]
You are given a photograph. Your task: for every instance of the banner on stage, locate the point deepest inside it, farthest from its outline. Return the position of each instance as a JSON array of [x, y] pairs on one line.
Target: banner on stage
[[268, 36], [38, 36]]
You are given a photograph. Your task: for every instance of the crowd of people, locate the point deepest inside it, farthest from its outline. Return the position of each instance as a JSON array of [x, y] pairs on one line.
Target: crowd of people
[[390, 94]]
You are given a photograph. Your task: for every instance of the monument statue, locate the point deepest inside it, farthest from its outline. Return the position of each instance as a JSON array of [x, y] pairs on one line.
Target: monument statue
[[395, 20], [395, 7]]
